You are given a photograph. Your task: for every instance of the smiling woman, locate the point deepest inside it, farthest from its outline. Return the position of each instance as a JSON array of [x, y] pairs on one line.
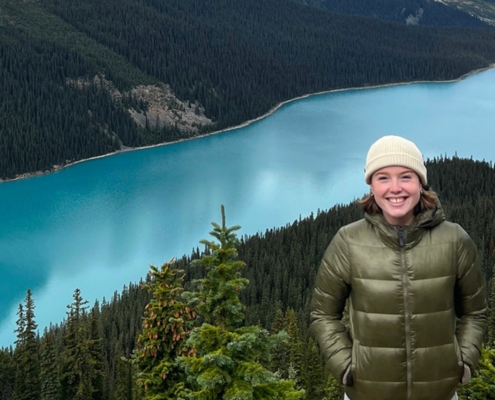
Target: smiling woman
[[415, 287], [396, 174], [396, 191]]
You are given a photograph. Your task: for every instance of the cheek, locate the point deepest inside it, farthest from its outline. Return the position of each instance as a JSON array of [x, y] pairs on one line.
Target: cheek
[[417, 197], [376, 189], [415, 192], [379, 200]]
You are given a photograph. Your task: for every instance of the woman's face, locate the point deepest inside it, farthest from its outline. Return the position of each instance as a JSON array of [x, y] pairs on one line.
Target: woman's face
[[396, 190]]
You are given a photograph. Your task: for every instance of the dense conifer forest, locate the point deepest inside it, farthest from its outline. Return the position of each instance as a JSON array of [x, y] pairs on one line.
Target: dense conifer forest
[[118, 348], [68, 69]]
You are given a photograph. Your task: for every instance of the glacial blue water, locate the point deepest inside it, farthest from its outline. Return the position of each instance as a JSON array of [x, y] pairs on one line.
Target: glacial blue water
[[98, 225]]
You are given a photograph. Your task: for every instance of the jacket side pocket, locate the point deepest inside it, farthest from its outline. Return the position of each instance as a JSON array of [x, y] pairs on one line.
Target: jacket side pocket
[[354, 359], [460, 363]]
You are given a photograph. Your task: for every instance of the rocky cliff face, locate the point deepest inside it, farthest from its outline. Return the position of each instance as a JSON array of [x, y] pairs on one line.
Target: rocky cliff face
[[163, 108]]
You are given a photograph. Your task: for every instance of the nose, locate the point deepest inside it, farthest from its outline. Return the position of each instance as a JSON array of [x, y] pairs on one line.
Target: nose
[[395, 186]]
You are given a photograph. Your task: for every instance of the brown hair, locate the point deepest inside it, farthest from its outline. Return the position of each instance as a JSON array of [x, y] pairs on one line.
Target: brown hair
[[427, 201]]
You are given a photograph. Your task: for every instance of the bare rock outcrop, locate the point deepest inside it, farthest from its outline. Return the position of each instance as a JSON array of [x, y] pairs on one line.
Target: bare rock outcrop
[[162, 107]]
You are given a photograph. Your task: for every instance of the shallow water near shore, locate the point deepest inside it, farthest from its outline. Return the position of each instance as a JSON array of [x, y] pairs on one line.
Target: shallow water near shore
[[98, 225]]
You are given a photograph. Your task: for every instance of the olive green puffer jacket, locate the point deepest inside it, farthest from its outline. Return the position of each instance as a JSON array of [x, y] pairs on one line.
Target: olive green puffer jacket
[[405, 285]]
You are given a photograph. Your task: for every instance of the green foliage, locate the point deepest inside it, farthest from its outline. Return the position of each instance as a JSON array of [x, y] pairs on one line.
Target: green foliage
[[50, 382], [80, 365], [95, 354], [334, 390], [124, 379], [218, 296], [482, 386], [27, 383], [166, 325], [314, 375], [228, 360], [7, 374]]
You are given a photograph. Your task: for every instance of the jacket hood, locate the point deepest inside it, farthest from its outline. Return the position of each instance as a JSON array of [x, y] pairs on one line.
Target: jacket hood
[[413, 233]]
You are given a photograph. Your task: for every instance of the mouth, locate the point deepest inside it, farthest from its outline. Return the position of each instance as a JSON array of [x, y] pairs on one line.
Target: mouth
[[397, 200]]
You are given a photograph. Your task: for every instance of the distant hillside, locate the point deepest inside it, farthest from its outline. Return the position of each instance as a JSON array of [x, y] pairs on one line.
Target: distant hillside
[[81, 79], [447, 13], [482, 9]]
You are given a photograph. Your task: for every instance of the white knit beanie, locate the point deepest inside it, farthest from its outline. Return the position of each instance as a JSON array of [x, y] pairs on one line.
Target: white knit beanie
[[394, 151]]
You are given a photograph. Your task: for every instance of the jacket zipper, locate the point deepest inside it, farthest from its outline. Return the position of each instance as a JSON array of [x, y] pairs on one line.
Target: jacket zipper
[[407, 314]]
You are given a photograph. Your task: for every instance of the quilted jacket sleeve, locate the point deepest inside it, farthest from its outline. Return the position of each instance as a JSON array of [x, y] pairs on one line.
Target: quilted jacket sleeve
[[332, 287], [470, 298]]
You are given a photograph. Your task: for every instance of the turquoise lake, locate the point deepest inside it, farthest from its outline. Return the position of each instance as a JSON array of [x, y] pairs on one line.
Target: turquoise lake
[[98, 225]]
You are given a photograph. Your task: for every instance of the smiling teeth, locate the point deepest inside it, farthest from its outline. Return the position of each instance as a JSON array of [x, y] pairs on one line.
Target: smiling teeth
[[396, 200]]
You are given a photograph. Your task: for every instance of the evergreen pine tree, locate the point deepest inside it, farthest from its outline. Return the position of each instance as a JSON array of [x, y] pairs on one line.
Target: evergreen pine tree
[[166, 326], [7, 374], [95, 353], [295, 346], [50, 382], [313, 375], [123, 379], [79, 364], [27, 361], [227, 363], [280, 355]]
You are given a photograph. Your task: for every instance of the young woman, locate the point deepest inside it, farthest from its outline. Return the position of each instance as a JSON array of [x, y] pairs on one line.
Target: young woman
[[414, 286]]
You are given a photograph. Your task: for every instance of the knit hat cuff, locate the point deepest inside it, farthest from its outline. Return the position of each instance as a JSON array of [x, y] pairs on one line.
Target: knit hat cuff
[[396, 159]]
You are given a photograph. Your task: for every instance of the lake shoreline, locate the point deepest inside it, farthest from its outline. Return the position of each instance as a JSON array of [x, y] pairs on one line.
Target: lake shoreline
[[57, 168]]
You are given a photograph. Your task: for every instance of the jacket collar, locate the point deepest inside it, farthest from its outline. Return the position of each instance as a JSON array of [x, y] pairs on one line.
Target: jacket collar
[[389, 234]]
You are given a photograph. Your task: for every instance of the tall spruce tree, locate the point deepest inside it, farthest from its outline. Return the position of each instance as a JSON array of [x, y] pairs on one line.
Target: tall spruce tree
[[295, 346], [166, 325], [280, 355], [122, 388], [80, 368], [7, 374], [95, 353], [228, 360], [313, 375], [27, 386], [50, 381]]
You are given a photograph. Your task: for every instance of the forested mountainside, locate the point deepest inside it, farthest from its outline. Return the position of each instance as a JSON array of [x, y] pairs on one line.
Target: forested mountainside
[[93, 342], [482, 9], [81, 79], [474, 14]]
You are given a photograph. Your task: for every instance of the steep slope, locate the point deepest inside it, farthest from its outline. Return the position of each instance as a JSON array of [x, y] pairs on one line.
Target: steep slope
[[65, 97], [481, 9], [449, 13]]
